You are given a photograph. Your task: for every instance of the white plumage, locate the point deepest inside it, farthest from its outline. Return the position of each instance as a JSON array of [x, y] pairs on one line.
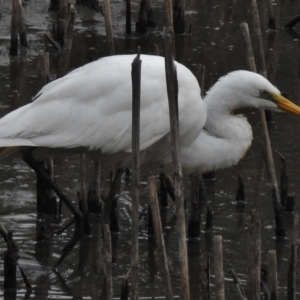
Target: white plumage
[[90, 109]]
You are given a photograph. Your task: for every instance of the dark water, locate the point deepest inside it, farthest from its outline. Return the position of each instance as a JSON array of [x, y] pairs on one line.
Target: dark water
[[216, 41]]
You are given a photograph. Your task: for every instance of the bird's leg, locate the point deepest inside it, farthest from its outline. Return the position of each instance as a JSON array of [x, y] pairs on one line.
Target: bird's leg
[[110, 202], [78, 232], [30, 160], [78, 217]]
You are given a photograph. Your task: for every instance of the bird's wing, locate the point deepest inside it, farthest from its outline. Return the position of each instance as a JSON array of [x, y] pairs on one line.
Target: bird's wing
[[91, 107]]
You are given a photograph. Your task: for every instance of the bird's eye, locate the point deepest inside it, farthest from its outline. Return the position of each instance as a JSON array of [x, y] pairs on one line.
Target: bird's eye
[[264, 94]]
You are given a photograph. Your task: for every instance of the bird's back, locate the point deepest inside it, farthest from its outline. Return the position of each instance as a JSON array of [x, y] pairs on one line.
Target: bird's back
[[91, 108]]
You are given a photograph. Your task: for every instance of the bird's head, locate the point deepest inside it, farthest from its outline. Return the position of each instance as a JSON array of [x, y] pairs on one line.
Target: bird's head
[[277, 102], [249, 89]]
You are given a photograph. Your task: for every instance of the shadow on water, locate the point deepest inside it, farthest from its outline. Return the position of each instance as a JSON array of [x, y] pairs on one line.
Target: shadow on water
[[216, 42]]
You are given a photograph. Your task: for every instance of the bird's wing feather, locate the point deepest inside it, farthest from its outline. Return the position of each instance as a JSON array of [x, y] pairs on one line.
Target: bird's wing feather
[[91, 107]]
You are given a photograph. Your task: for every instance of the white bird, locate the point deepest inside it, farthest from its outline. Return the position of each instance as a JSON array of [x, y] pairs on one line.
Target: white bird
[[90, 110]]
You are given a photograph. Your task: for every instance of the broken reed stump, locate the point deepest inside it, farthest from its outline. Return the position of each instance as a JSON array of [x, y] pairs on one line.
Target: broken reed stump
[[108, 262], [254, 256], [218, 263], [135, 181], [63, 61], [159, 238], [108, 26], [272, 281], [43, 69], [291, 286], [17, 28], [267, 144], [178, 16], [172, 90]]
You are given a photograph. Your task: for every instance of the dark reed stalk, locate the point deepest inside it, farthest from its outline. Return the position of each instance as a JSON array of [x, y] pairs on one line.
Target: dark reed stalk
[[159, 238], [135, 190], [172, 89], [267, 144], [263, 71]]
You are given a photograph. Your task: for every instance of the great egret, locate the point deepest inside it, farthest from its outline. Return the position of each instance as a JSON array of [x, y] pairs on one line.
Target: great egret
[[90, 110]]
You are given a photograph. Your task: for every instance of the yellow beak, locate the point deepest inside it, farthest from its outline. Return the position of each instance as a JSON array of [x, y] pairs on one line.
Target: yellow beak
[[286, 105]]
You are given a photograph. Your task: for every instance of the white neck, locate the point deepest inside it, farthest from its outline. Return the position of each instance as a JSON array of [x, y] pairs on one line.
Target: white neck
[[223, 143]]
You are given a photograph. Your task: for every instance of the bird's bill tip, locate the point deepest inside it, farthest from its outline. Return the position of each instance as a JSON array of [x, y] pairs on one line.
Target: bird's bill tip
[[286, 105]]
